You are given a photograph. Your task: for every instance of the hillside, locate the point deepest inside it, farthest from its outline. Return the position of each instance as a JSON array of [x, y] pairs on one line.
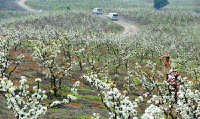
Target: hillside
[[64, 63], [9, 5]]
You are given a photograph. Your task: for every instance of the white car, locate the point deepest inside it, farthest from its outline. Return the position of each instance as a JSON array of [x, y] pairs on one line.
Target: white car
[[97, 11], [113, 16], [41, 10]]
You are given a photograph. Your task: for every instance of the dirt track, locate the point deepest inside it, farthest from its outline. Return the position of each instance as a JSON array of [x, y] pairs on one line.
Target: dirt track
[[21, 3], [128, 27]]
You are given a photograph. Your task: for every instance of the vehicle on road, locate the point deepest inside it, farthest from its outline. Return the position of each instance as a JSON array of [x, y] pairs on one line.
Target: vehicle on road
[[97, 11], [40, 10], [113, 16]]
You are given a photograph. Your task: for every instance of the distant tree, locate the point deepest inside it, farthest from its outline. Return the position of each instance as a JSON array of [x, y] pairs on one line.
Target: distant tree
[[68, 8], [160, 3]]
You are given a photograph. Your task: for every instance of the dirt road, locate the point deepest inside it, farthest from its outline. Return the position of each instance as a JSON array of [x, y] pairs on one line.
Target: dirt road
[[21, 3], [128, 27]]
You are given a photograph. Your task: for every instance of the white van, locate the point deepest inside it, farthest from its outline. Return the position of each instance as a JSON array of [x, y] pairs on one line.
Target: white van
[[113, 16], [97, 11]]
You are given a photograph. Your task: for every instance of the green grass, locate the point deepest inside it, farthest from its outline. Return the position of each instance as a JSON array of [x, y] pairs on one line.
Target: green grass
[[28, 73], [115, 28], [77, 116], [78, 4], [89, 97], [57, 110]]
